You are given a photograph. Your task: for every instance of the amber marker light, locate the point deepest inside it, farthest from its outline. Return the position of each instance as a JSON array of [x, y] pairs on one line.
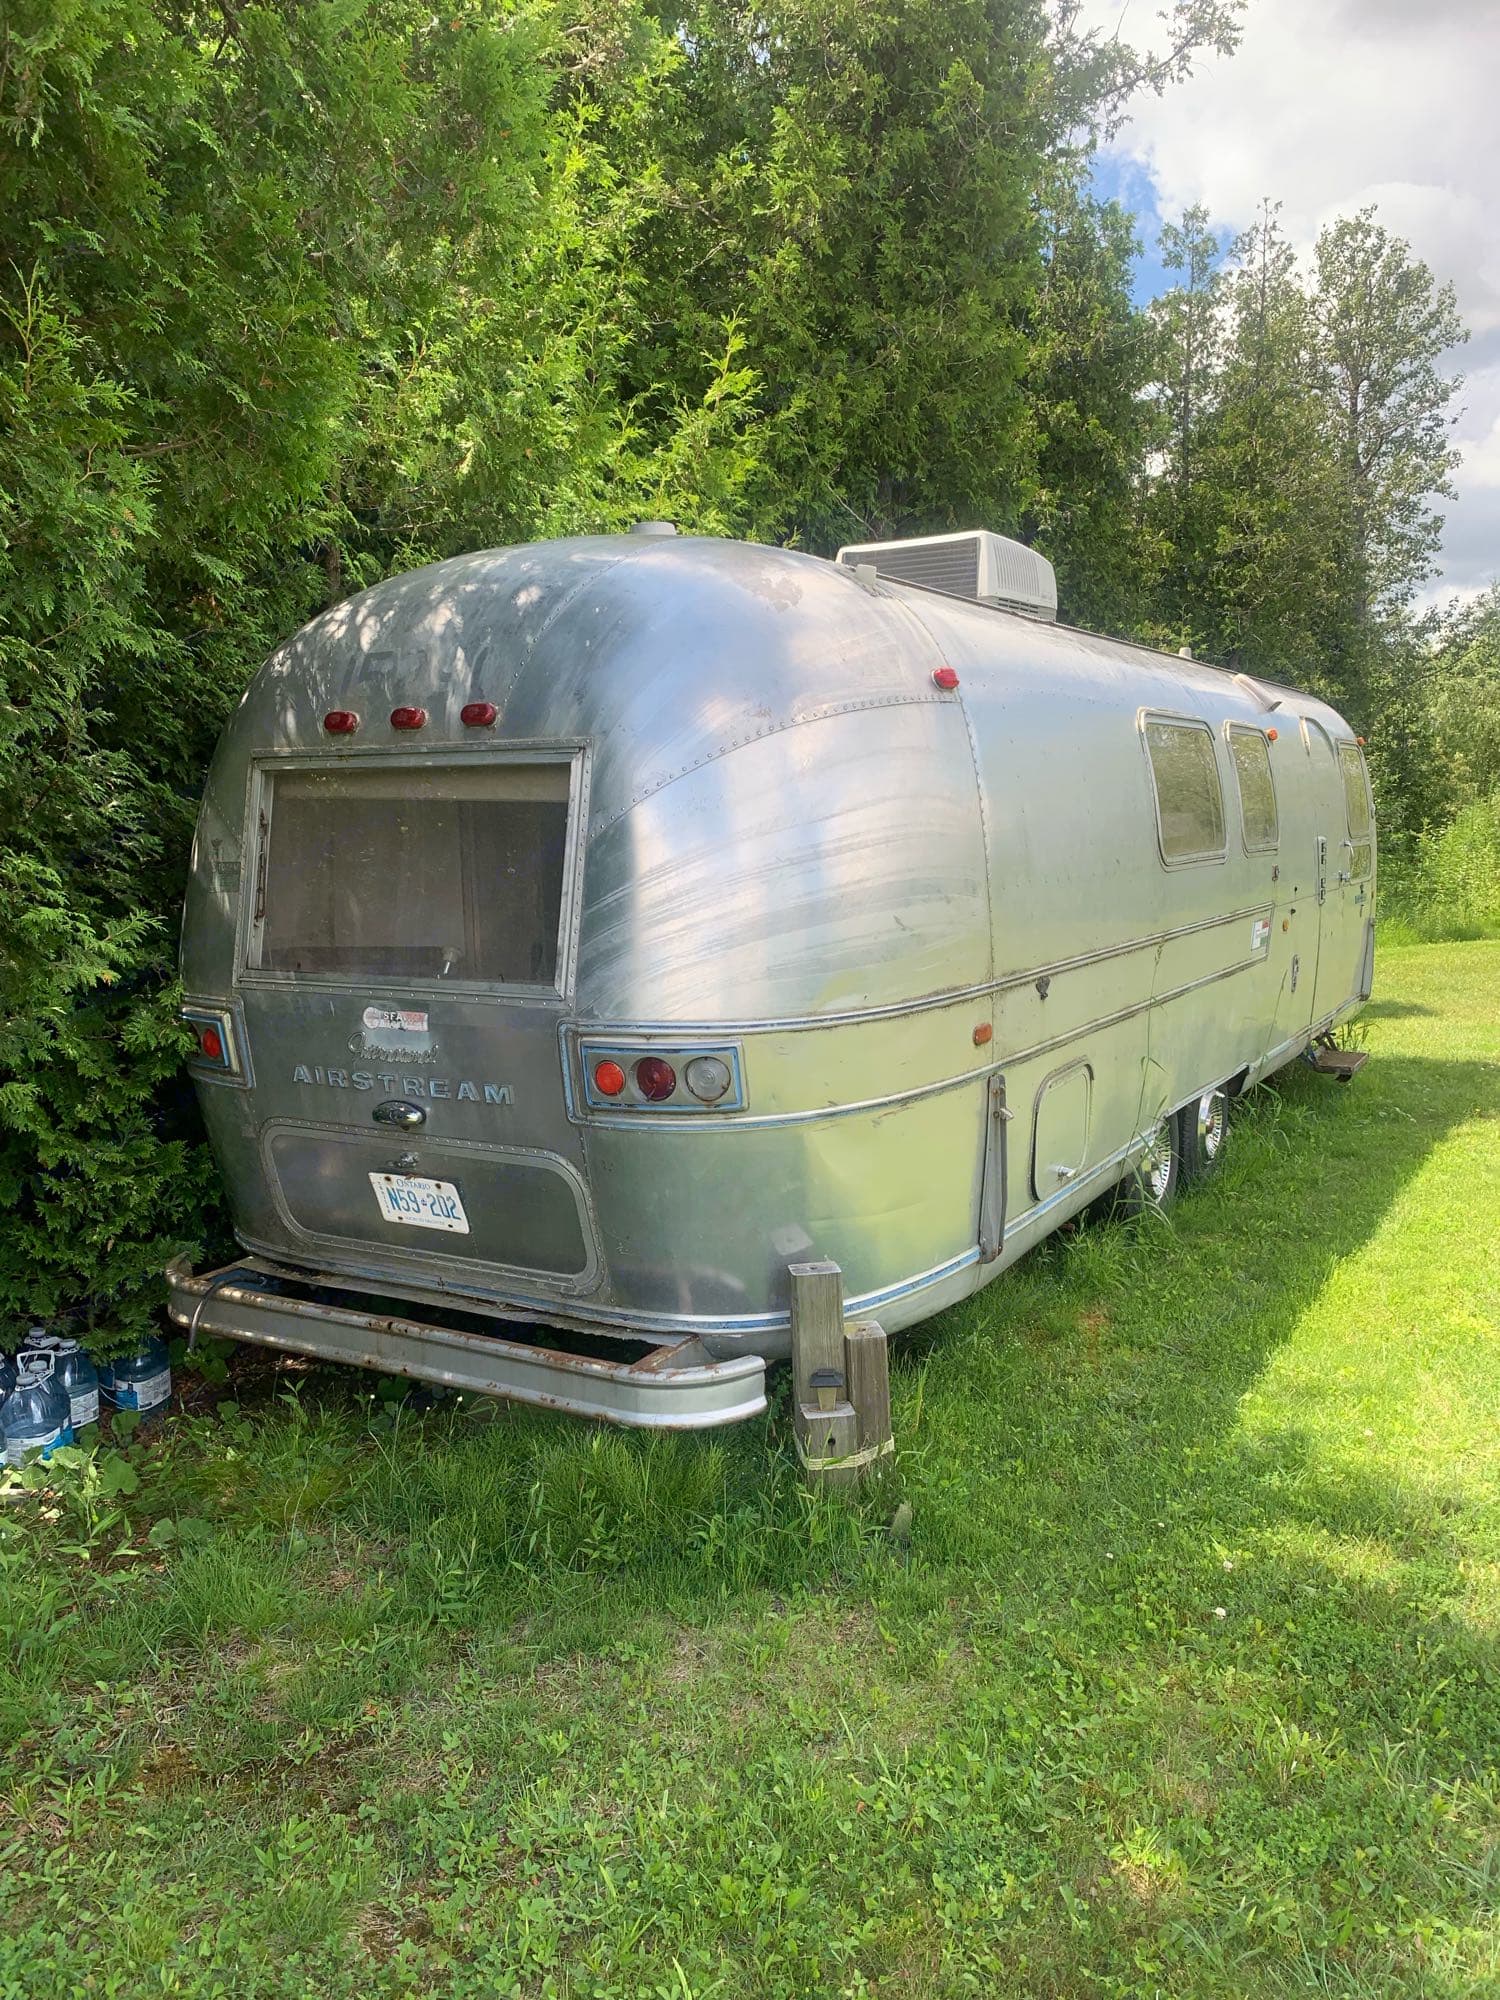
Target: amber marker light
[[341, 722], [945, 678], [982, 1034], [1270, 735]]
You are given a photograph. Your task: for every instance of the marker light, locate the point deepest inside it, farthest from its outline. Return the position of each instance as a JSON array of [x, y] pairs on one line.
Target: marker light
[[655, 1079], [478, 714], [609, 1078], [211, 1043], [707, 1078], [1270, 735], [408, 718], [341, 722], [983, 1033], [946, 678]]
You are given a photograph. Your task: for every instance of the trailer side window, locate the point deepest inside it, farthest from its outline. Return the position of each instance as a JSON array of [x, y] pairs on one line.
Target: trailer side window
[[1252, 771], [1357, 808], [447, 873], [1189, 797]]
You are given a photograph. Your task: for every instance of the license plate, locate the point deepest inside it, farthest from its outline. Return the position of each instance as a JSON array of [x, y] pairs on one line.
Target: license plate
[[421, 1203]]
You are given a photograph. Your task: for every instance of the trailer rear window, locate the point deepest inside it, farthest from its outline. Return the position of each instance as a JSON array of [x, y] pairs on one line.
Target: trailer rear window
[[1189, 798], [1252, 771], [451, 873], [1357, 808]]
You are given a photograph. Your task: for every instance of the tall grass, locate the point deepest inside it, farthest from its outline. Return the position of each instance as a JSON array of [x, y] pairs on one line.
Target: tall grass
[[1449, 889]]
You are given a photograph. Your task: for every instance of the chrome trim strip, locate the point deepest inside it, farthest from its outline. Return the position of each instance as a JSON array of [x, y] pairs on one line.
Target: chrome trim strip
[[929, 1003], [640, 1120]]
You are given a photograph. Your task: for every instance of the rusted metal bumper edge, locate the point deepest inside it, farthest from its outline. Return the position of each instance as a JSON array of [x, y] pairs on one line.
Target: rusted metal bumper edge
[[674, 1386]]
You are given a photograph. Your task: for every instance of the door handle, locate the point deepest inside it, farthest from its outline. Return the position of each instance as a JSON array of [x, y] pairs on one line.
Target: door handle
[[396, 1111]]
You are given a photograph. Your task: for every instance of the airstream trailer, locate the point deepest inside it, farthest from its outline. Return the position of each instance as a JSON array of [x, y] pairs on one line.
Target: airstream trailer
[[579, 934]]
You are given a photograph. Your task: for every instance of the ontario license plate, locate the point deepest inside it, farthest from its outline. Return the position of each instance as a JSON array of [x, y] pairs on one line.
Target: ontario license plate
[[421, 1203]]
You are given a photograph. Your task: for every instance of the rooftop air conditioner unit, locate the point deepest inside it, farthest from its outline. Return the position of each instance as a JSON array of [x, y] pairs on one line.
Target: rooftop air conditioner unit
[[991, 569]]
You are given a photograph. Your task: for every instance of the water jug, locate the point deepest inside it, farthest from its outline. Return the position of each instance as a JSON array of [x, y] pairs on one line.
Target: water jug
[[141, 1381], [34, 1416], [79, 1378]]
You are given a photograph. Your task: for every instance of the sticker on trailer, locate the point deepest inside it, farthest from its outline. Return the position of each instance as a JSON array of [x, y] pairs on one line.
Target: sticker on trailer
[[1260, 935], [396, 1020], [420, 1203]]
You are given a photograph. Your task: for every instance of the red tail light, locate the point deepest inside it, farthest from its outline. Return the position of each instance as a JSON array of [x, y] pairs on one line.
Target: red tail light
[[946, 678], [211, 1042], [341, 722], [478, 714], [655, 1079], [609, 1078], [408, 718]]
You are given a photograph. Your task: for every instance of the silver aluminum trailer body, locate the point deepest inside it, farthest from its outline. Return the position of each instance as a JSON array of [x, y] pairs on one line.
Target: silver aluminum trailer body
[[935, 938]]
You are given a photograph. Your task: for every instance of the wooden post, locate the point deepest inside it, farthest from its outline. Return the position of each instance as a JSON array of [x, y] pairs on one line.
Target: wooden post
[[867, 1368], [840, 1380]]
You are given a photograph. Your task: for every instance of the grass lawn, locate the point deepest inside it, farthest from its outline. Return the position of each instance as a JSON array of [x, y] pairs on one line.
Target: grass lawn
[[1185, 1683]]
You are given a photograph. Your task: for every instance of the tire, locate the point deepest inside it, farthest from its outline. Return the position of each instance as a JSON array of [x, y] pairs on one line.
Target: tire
[[1150, 1185], [1202, 1133]]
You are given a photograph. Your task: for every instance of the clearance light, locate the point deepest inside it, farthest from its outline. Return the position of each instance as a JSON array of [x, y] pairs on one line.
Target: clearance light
[[211, 1043], [478, 714], [341, 722], [655, 1079], [945, 678], [1270, 735], [408, 718], [609, 1078], [982, 1034]]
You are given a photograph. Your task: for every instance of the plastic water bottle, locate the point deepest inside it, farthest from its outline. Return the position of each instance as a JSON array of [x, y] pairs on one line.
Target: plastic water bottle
[[141, 1381], [79, 1378], [7, 1375], [34, 1416]]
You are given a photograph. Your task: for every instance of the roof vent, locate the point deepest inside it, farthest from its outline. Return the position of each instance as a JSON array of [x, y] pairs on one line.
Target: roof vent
[[653, 528], [989, 568]]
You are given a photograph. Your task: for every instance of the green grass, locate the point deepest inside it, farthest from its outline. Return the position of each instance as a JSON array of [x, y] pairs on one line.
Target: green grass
[[1185, 1684]]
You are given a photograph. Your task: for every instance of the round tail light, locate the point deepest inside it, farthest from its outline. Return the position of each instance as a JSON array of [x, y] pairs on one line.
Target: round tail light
[[609, 1078], [408, 718], [211, 1043], [655, 1079], [707, 1077], [341, 722]]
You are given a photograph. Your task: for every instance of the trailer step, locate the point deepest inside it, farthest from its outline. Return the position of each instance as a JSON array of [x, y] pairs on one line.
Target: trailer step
[[674, 1384], [1338, 1063]]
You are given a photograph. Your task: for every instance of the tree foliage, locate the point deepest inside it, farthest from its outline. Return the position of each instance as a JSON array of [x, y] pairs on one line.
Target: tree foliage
[[295, 293]]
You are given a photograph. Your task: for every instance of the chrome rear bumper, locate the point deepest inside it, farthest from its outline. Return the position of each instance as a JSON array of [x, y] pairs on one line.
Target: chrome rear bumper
[[674, 1385]]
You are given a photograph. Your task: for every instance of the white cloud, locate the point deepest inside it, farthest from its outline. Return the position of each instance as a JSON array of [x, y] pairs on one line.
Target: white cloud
[[1334, 105]]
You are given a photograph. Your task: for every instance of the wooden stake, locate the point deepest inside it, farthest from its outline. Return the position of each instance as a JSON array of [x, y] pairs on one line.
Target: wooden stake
[[868, 1372]]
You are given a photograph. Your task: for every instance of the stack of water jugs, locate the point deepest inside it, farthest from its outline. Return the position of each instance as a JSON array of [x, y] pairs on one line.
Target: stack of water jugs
[[49, 1395]]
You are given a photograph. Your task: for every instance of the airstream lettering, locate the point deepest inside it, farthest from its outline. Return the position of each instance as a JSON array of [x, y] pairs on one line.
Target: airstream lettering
[[730, 908]]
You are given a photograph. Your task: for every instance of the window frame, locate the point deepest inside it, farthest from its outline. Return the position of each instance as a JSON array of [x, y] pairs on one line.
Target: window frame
[[1174, 718], [1353, 841], [1231, 730], [260, 812]]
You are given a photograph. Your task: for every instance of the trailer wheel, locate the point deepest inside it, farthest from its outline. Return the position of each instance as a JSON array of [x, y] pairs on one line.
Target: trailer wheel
[[1203, 1128], [1152, 1181]]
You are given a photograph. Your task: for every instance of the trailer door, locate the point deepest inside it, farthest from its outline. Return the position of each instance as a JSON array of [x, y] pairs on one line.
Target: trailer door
[[1342, 859], [404, 975]]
